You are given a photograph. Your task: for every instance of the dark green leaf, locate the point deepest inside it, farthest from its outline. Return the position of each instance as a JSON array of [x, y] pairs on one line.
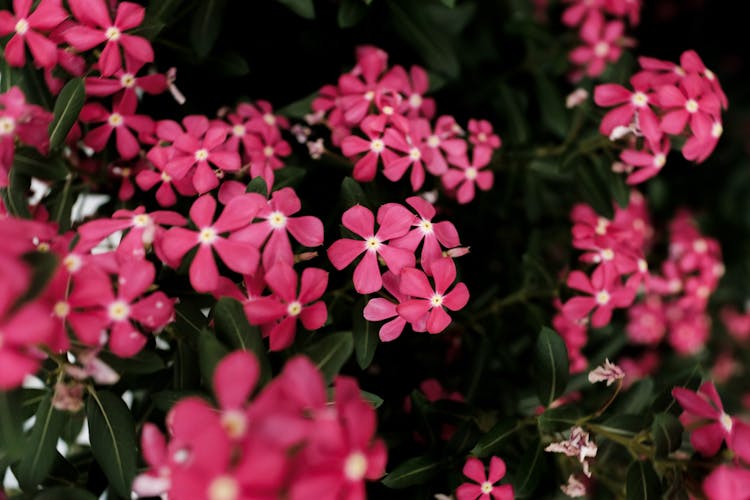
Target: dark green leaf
[[11, 422], [60, 202], [464, 438], [234, 330], [417, 470], [365, 336], [298, 109], [352, 193], [32, 398], [551, 104], [30, 163], [303, 8], [424, 416], [39, 454], [558, 419], [165, 400], [288, 176], [189, 320], [113, 441], [371, 398], [258, 185], [627, 425], [210, 352], [64, 493], [448, 3], [351, 12], [15, 195], [206, 26], [186, 374], [518, 126], [143, 363], [67, 108], [331, 352], [229, 63], [43, 265], [551, 363], [642, 483], [666, 432], [162, 10], [491, 442], [149, 28], [593, 188], [530, 471], [638, 397]]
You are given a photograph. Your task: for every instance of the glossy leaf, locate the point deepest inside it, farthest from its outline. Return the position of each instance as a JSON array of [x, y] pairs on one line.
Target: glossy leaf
[[11, 424], [206, 26], [642, 483], [331, 352], [666, 432], [494, 439], [233, 329], [303, 8], [417, 470], [365, 336], [39, 454], [67, 108], [551, 364]]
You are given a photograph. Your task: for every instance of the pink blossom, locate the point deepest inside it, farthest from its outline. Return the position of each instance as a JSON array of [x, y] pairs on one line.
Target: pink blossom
[[97, 27], [631, 107], [481, 135], [688, 102], [394, 221], [580, 10], [165, 193], [366, 167], [647, 323], [607, 372], [120, 121], [381, 309], [412, 154], [20, 332], [604, 291], [440, 142], [432, 301], [26, 31], [737, 323], [485, 487], [358, 89], [279, 312], [463, 179], [241, 257], [602, 44], [727, 482], [265, 150], [414, 86], [648, 162], [125, 81]]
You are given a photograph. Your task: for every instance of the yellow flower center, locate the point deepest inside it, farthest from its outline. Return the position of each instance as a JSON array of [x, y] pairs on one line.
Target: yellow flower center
[[113, 34], [602, 297], [127, 80], [415, 154], [471, 173], [207, 235], [118, 310], [201, 154], [277, 220], [234, 423], [436, 300], [433, 141], [22, 26], [377, 146], [639, 99], [486, 487], [601, 49], [239, 130], [355, 466], [372, 244], [7, 125], [115, 119], [61, 309], [223, 488], [268, 151], [691, 105], [141, 220], [294, 308]]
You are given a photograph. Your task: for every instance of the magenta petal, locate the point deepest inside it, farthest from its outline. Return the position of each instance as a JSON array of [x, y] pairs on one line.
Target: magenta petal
[[707, 439], [457, 298], [204, 178], [497, 470], [342, 252], [693, 403], [392, 330], [468, 491], [135, 278], [204, 275], [127, 145], [234, 378], [125, 340], [438, 320], [15, 367], [239, 257], [97, 137], [312, 284], [239, 212], [110, 60], [414, 283], [367, 277], [396, 258], [282, 279], [474, 469], [43, 50], [379, 309], [83, 38], [264, 310], [282, 335], [413, 310], [176, 243], [444, 273], [138, 48], [359, 220], [202, 211], [226, 160], [674, 121], [307, 230], [578, 308], [314, 316], [129, 15]]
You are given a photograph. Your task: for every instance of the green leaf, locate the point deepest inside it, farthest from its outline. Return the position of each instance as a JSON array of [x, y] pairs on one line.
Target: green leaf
[[64, 492], [15, 195], [627, 425], [113, 441], [189, 320], [43, 266], [638, 397], [233, 329], [375, 400], [593, 188], [11, 424], [162, 10], [666, 431], [429, 39], [466, 435], [551, 103], [517, 125], [642, 483], [165, 400], [30, 163], [331, 352], [258, 185], [352, 193], [206, 26], [491, 442], [230, 64], [551, 363], [60, 202], [365, 336], [351, 12], [530, 471], [558, 419], [149, 28], [448, 3], [288, 176], [67, 108], [298, 109], [303, 8], [210, 352], [143, 363], [40, 448], [417, 470]]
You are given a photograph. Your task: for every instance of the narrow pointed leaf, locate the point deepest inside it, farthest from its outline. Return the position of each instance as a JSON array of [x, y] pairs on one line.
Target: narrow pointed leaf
[[666, 431], [493, 439], [417, 470], [233, 329], [40, 448], [11, 424], [642, 483], [365, 336], [67, 108], [551, 363], [331, 352]]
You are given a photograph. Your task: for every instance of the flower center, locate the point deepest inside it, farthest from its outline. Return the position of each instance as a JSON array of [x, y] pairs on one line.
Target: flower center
[[22, 26], [415, 154], [660, 160], [601, 49], [181, 456], [113, 34], [372, 244], [141, 220], [486, 487], [127, 80], [415, 101], [642, 265], [717, 130], [294, 308], [119, 310], [471, 173], [436, 300], [388, 110], [369, 95], [355, 466], [7, 125], [482, 137], [709, 74], [234, 423], [377, 146], [269, 119], [115, 119], [726, 422], [425, 226], [72, 263], [207, 236], [201, 154], [165, 177], [433, 141], [602, 297], [639, 99], [608, 254], [61, 309], [601, 226], [223, 488], [700, 245], [239, 130], [691, 105], [268, 151], [277, 220]]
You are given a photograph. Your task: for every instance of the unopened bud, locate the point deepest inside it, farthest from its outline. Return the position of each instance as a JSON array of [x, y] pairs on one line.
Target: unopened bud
[[576, 98], [68, 397], [305, 256]]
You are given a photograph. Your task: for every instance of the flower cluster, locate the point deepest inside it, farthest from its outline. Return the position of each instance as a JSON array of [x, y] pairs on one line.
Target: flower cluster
[[290, 441], [667, 102], [400, 232], [380, 116], [671, 303], [601, 25], [20, 122]]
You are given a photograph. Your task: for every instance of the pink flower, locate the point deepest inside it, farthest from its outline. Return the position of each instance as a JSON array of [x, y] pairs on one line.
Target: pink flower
[[97, 27], [737, 323], [358, 89], [240, 257], [272, 234], [441, 142], [468, 175], [648, 162], [602, 44], [20, 332], [605, 293], [394, 221], [366, 167], [577, 445], [165, 193], [120, 121], [727, 482], [689, 101], [25, 28], [432, 301], [413, 155], [692, 63], [414, 86], [279, 312], [126, 81], [265, 150], [580, 10], [381, 309], [481, 135], [631, 106], [607, 372], [704, 415], [486, 488], [647, 322]]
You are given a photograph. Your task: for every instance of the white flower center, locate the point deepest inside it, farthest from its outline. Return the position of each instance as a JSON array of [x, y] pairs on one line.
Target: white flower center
[[471, 173], [601, 226], [726, 422], [639, 99], [388, 110], [660, 160], [700, 245], [239, 130], [7, 125], [433, 141], [377, 146], [22, 26], [415, 101], [61, 309], [709, 74], [269, 119], [436, 300], [268, 151], [181, 456], [115, 119], [369, 95], [372, 244], [165, 177], [717, 130], [642, 265], [482, 137], [355, 466], [207, 236], [141, 220], [277, 220], [234, 423], [201, 154], [425, 226], [294, 308], [691, 105], [607, 254], [113, 34], [679, 70], [415, 154], [127, 80], [602, 297], [486, 487], [118, 310], [223, 488], [72, 263], [601, 49]]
